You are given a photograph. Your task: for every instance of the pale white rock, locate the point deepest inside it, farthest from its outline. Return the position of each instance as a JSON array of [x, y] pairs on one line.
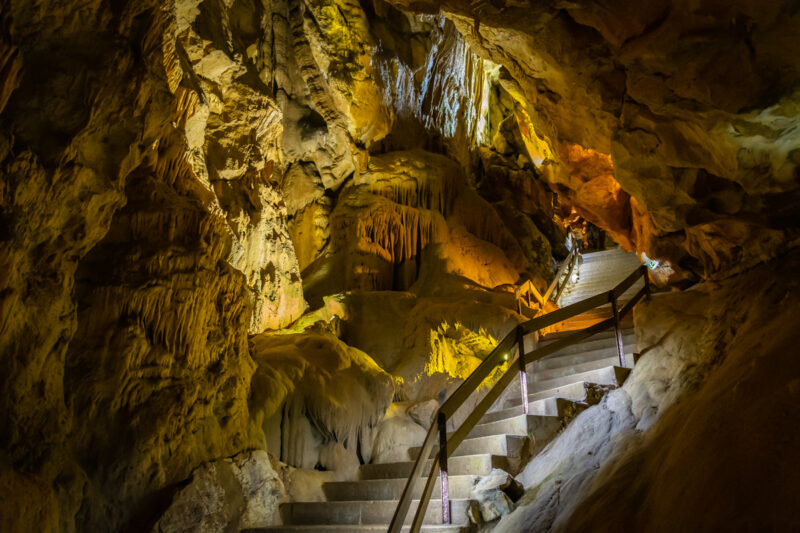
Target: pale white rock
[[423, 413], [333, 456], [304, 484], [488, 493], [395, 434], [557, 477], [224, 495]]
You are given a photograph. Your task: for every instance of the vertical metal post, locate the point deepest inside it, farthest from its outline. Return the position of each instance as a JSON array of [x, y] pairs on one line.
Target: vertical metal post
[[523, 375], [617, 329], [443, 469], [646, 275]]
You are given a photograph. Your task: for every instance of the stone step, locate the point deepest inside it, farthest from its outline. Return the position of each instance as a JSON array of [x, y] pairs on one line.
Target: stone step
[[595, 277], [600, 286], [572, 391], [573, 359], [592, 345], [392, 489], [508, 445], [480, 464], [549, 407], [376, 512], [515, 424], [627, 329], [586, 277], [617, 268], [610, 375], [604, 255], [535, 375], [592, 289], [350, 528]]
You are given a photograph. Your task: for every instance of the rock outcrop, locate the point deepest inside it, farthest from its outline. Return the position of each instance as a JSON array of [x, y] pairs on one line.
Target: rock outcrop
[[703, 414], [694, 104], [225, 495], [311, 392], [253, 225]]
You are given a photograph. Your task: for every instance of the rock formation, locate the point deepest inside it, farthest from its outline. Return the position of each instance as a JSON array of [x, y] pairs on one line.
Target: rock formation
[[293, 226], [694, 105], [676, 446]]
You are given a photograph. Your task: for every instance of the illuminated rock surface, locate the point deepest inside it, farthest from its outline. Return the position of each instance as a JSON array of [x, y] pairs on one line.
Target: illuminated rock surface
[[676, 447], [230, 227], [695, 103]]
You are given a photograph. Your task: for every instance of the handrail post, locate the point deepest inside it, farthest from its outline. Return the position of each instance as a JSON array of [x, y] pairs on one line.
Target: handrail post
[[615, 309], [646, 276], [523, 375], [443, 478]]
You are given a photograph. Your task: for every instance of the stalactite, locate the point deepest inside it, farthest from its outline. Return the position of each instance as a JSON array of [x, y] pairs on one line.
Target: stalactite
[[319, 92], [328, 391], [392, 231]]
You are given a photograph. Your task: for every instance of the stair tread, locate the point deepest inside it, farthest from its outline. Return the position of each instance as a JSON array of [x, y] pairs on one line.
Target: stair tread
[[365, 512], [557, 387], [537, 376], [366, 528], [481, 463], [600, 376]]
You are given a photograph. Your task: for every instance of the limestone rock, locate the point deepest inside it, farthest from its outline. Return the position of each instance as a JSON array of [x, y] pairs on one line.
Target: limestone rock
[[395, 434], [325, 391], [405, 205], [424, 413], [231, 494], [169, 170], [686, 103], [430, 342], [490, 494]]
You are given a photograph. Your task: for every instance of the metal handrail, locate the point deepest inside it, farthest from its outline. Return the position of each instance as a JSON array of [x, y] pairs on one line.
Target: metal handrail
[[449, 443]]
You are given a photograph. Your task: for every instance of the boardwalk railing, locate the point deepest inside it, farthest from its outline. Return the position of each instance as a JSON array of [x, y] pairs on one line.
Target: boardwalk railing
[[528, 294], [447, 444]]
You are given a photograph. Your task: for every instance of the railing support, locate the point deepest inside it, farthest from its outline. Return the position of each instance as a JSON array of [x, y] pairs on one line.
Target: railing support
[[443, 478], [447, 446], [523, 375], [615, 309], [646, 276]]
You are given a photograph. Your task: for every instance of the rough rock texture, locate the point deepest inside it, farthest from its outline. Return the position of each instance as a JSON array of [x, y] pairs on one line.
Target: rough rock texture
[[324, 397], [694, 102], [396, 433], [226, 495], [701, 423], [488, 493], [171, 170], [407, 205], [430, 341]]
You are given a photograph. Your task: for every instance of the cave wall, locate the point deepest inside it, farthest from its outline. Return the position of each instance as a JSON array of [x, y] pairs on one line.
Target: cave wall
[[693, 103], [168, 168], [183, 179], [143, 239], [701, 436]]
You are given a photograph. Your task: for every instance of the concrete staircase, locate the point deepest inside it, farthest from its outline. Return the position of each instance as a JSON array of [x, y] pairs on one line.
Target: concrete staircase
[[560, 386], [599, 272]]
